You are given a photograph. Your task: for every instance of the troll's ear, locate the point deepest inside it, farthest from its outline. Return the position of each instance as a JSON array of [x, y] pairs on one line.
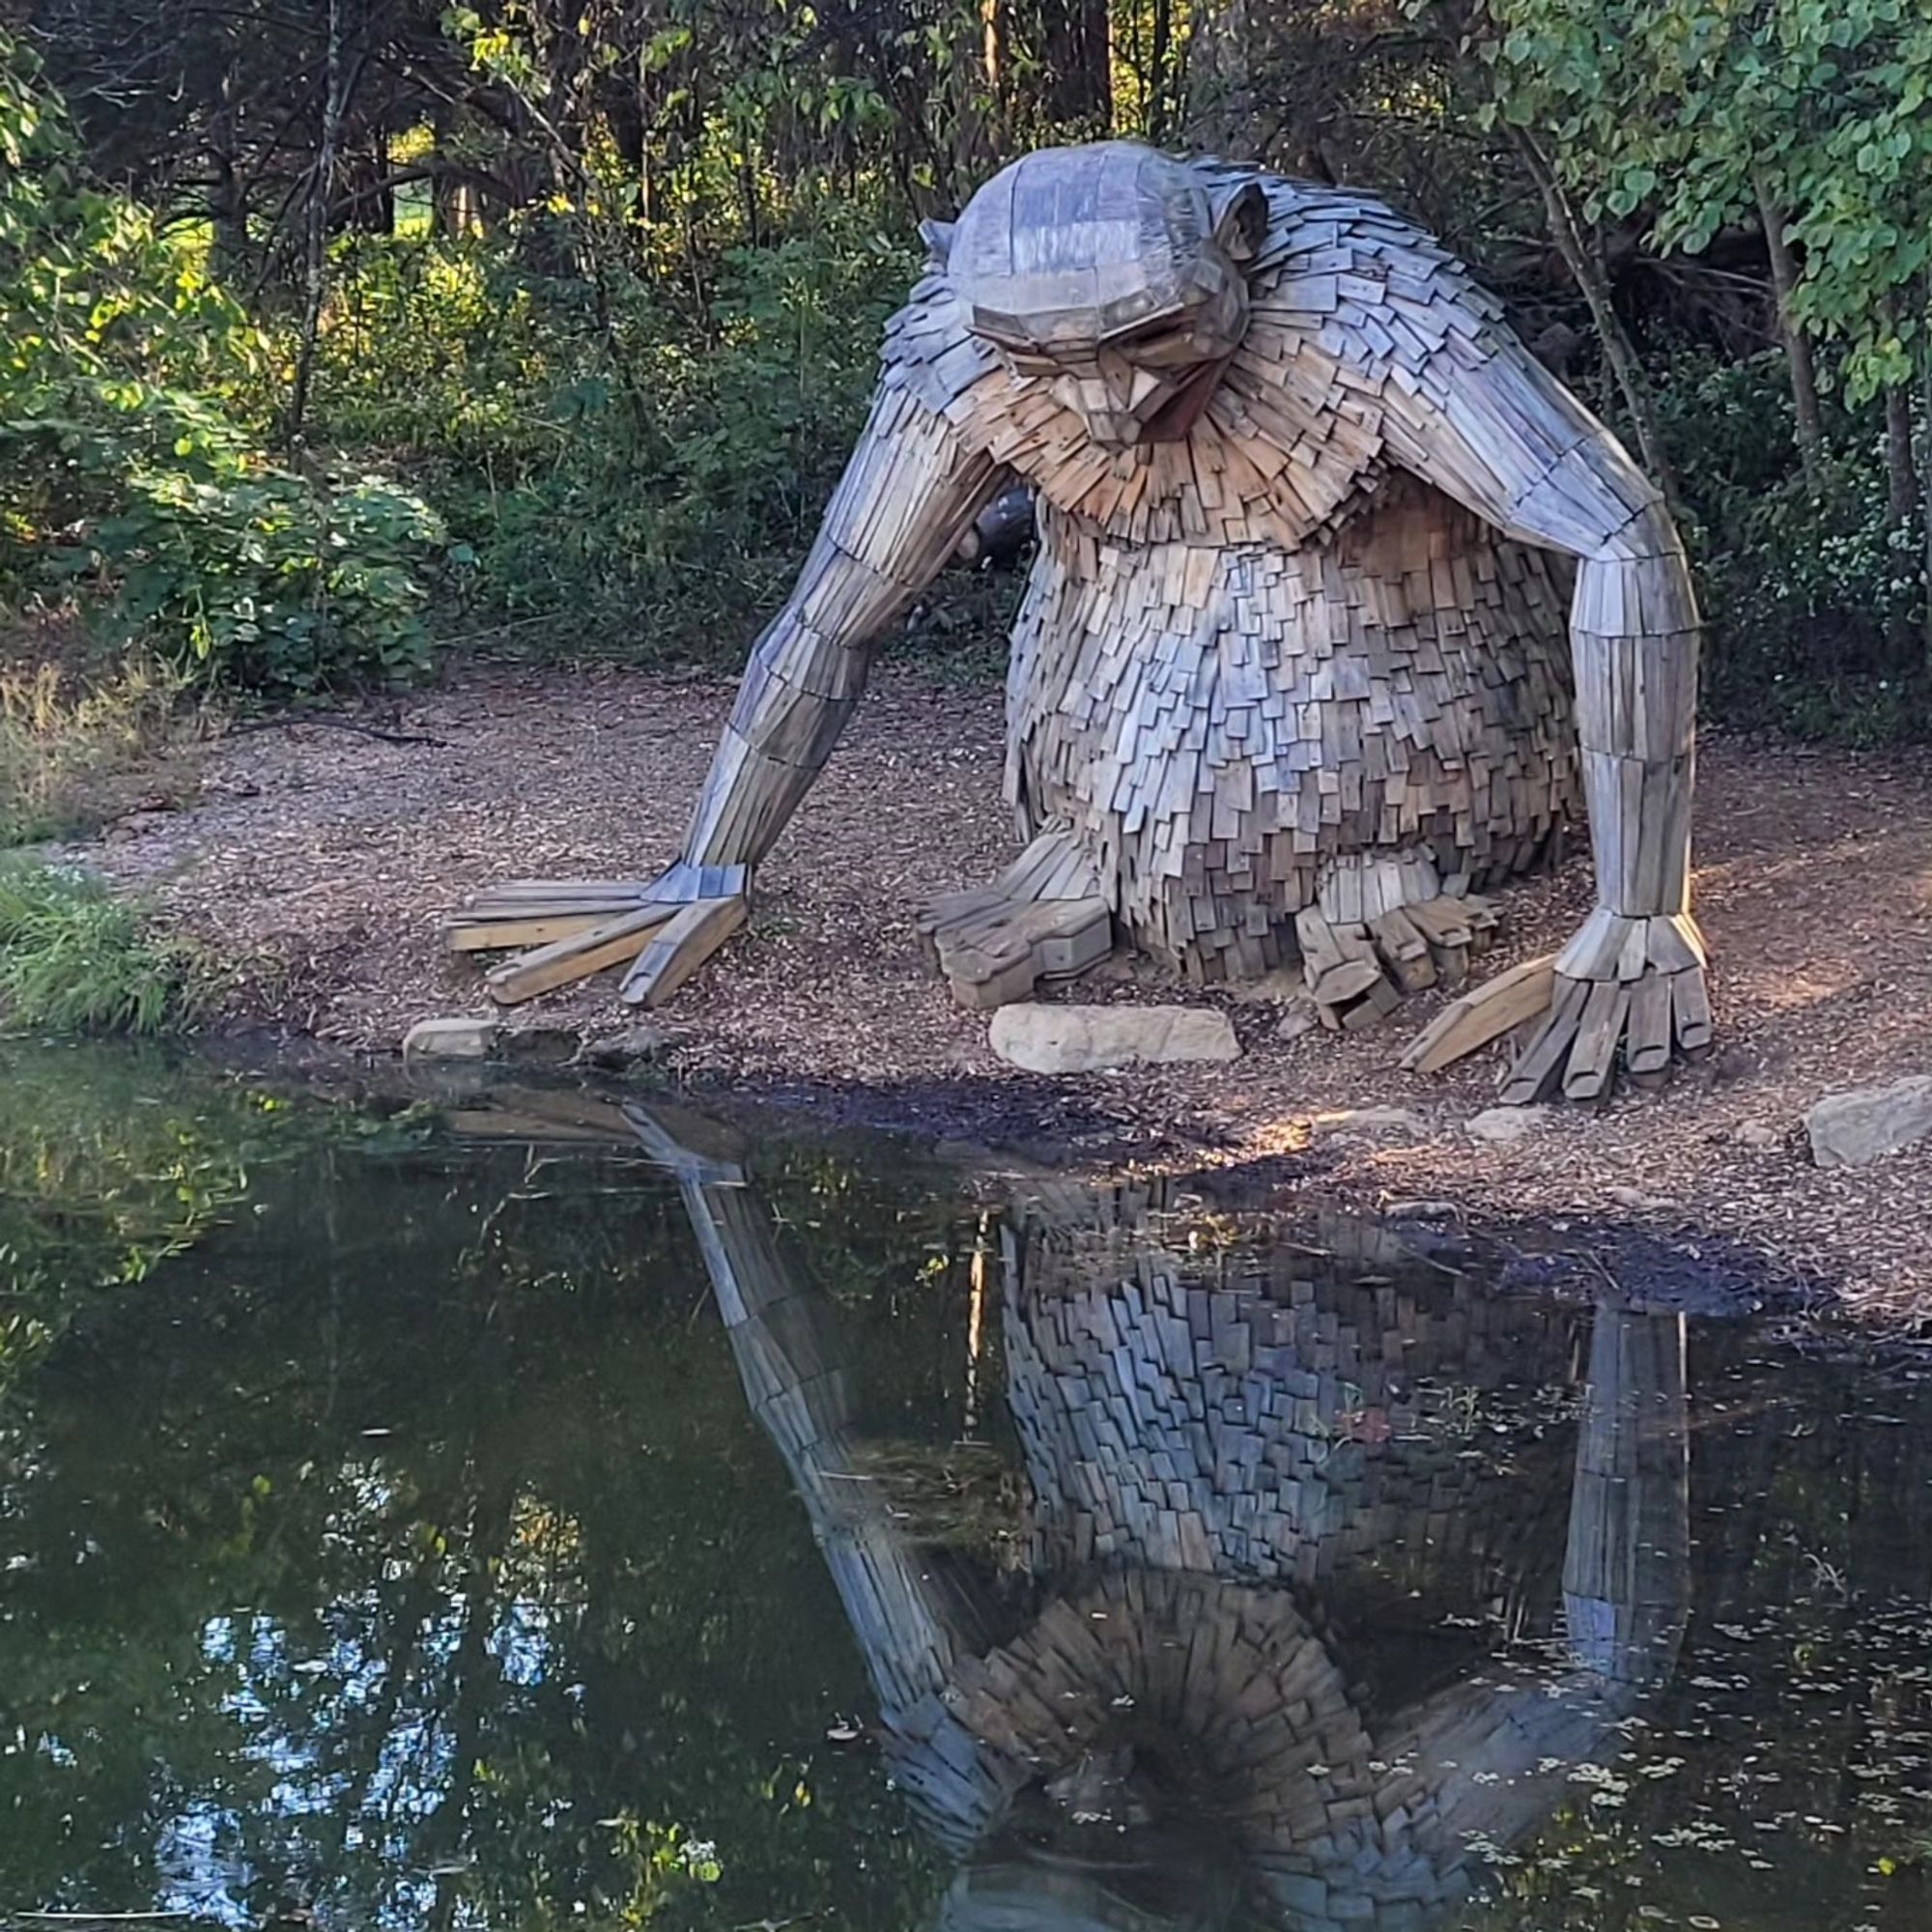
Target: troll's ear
[[938, 239], [1241, 221]]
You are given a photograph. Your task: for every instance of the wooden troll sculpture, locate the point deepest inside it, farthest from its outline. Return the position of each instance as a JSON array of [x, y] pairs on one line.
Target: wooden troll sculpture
[[1288, 677]]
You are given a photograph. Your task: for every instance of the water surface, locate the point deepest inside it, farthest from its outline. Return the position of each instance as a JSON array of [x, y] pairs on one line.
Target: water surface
[[520, 1513]]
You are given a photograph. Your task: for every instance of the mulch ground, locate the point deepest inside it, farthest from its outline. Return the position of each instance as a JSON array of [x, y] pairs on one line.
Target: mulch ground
[[320, 862]]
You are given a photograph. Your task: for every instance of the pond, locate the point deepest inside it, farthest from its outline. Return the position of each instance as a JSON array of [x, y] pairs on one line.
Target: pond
[[527, 1511]]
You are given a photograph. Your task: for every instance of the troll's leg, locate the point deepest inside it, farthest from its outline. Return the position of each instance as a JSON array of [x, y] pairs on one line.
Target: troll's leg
[[1043, 917]]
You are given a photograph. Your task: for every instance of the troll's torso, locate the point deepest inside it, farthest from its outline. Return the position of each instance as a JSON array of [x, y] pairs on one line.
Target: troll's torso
[[1254, 658]]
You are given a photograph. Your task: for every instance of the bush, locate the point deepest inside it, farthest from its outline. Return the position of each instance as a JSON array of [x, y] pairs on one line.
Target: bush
[[271, 580], [133, 408], [73, 959], [1815, 602], [633, 478]]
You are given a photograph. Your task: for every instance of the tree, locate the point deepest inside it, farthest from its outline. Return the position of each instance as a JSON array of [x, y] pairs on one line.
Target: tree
[[1808, 118]]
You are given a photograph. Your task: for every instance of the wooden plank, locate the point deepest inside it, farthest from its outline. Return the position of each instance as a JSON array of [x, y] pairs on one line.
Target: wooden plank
[[1691, 1013], [1493, 1009], [1539, 1063], [1402, 945], [610, 943], [1593, 1058], [1442, 921], [1648, 1050], [560, 904], [1346, 981], [681, 948], [513, 935], [1675, 945], [521, 891]]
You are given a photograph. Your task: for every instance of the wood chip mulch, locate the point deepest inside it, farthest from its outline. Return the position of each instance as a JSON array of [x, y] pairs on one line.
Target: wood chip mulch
[[321, 860]]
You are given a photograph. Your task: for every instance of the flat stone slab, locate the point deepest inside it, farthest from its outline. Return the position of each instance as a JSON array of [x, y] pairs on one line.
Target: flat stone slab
[[462, 1038], [1088, 1039], [1500, 1126], [1859, 1126]]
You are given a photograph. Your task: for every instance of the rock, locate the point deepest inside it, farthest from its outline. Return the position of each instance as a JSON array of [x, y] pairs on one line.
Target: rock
[[625, 1047], [1086, 1040], [1758, 1135], [450, 1040], [1503, 1127], [1854, 1127], [1296, 1021], [1421, 1211], [133, 825], [965, 1153], [1372, 1120], [1637, 1199]]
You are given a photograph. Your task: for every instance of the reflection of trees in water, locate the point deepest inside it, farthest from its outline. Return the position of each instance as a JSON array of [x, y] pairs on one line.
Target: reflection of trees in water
[[405, 1543], [411, 1672], [1228, 1456]]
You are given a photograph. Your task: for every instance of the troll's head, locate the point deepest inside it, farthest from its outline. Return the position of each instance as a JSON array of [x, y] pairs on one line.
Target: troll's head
[[1112, 272]]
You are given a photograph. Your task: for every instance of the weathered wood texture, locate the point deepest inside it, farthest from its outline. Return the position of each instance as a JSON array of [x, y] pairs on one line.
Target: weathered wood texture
[[1241, 1463], [1309, 512]]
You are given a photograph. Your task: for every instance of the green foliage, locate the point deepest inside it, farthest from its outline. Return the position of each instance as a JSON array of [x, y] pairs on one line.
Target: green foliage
[[73, 959], [132, 400], [633, 474], [1803, 588], [276, 582], [1699, 112]]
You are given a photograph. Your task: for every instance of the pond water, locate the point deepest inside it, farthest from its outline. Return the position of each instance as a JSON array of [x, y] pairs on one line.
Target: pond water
[[519, 1511]]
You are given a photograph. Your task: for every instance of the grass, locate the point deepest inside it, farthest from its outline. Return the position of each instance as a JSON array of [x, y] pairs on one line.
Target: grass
[[73, 959], [75, 753]]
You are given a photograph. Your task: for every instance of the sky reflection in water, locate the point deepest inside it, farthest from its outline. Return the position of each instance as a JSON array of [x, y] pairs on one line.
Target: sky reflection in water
[[523, 1514]]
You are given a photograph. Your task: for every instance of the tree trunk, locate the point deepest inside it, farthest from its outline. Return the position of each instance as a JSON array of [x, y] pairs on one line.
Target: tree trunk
[[449, 207], [1901, 476], [228, 199], [1925, 484], [1902, 507], [1811, 423], [1160, 84], [1618, 349], [321, 190], [1073, 45], [1220, 90]]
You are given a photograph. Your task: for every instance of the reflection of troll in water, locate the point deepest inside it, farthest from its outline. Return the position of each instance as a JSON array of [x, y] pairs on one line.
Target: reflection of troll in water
[[1292, 640], [1177, 1716]]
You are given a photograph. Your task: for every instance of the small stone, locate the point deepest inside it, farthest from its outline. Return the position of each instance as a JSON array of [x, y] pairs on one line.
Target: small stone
[[1758, 1135], [1637, 1198], [966, 1152], [1855, 1127], [1088, 1039], [1296, 1021], [450, 1040], [134, 825], [618, 1051], [1372, 1120], [1503, 1127]]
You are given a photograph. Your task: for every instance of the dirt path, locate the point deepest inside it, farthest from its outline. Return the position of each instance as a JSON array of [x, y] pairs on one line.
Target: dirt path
[[322, 862]]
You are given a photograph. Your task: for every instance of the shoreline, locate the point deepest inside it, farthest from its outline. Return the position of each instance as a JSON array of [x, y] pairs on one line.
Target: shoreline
[[318, 863]]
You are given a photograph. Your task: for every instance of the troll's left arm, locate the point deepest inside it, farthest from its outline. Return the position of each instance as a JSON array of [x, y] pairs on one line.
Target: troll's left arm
[[1487, 424]]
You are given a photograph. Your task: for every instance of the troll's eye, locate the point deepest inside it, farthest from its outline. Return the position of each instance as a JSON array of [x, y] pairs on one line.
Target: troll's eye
[[1170, 348]]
